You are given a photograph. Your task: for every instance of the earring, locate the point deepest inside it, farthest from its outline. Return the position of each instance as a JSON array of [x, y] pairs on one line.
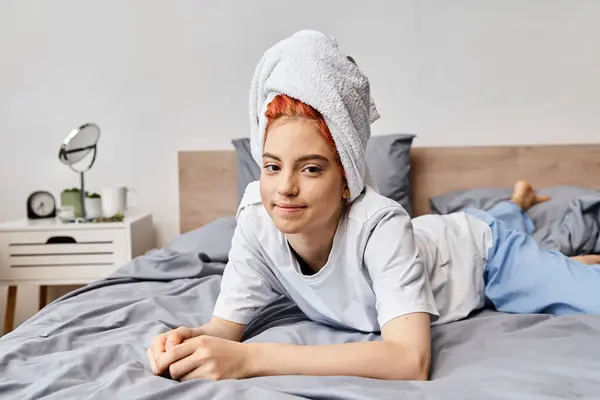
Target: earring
[[346, 194]]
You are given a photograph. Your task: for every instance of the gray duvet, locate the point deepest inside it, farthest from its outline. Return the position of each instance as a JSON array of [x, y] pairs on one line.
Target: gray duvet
[[91, 344]]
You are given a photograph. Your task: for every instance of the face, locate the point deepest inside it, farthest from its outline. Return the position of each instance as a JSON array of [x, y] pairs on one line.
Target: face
[[301, 184]]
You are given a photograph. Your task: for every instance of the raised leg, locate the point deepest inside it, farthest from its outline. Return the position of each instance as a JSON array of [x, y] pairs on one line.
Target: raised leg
[[513, 217], [512, 213]]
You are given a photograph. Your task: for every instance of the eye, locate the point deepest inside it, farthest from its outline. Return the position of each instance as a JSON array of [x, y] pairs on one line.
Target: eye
[[272, 168], [313, 169]]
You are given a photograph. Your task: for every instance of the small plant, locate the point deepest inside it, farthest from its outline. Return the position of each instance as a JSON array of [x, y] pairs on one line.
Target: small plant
[[91, 195], [114, 218]]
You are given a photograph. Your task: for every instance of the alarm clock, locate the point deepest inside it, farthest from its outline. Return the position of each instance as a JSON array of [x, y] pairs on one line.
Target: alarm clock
[[40, 205]]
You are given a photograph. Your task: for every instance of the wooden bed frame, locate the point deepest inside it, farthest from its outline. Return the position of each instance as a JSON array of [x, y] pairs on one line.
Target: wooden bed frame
[[208, 190]]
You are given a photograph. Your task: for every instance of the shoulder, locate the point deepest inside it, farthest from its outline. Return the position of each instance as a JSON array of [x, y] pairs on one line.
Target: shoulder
[[371, 208], [252, 217], [374, 218], [251, 196], [250, 206]]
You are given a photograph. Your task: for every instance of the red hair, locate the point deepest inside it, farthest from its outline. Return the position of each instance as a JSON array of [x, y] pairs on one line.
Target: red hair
[[286, 106]]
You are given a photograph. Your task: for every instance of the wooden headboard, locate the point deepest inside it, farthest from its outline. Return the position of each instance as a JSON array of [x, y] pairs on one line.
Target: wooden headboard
[[208, 190]]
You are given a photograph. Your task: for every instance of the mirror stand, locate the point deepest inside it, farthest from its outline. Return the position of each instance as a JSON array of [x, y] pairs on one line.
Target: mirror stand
[[78, 151], [82, 196]]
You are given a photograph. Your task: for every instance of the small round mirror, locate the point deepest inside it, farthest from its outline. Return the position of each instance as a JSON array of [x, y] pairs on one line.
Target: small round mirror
[[78, 150]]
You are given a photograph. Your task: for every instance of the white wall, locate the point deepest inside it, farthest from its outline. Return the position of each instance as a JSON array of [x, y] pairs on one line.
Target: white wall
[[162, 76]]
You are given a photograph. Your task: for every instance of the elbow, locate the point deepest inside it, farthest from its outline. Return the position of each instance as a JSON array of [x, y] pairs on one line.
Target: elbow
[[420, 373], [414, 372], [405, 373], [415, 368], [420, 367]]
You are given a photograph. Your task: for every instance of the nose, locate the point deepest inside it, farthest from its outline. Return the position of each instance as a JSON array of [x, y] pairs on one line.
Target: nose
[[287, 186]]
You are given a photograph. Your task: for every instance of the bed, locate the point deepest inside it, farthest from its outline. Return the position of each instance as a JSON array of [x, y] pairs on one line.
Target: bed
[[91, 342]]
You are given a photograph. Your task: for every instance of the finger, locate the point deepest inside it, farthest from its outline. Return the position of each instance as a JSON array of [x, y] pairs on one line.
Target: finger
[[185, 366], [202, 372], [174, 354], [180, 335], [158, 344], [158, 349], [172, 340], [155, 350]]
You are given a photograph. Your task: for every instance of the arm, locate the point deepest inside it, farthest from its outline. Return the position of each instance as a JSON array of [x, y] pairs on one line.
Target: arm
[[222, 328], [403, 354], [247, 286]]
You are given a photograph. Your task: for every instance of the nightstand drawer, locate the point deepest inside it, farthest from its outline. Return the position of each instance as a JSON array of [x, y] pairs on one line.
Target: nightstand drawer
[[23, 261], [57, 254], [67, 248], [100, 236], [77, 248]]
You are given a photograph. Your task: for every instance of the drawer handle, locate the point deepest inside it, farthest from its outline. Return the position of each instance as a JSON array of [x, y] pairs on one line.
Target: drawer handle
[[60, 240]]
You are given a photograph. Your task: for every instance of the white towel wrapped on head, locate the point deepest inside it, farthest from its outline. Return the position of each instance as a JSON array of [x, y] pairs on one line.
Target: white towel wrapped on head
[[309, 67]]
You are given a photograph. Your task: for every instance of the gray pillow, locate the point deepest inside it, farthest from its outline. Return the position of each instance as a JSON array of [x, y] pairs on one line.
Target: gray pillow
[[213, 239], [247, 169], [388, 158], [481, 198]]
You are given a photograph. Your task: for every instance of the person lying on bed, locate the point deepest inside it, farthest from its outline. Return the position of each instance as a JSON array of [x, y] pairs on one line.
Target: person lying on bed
[[362, 264]]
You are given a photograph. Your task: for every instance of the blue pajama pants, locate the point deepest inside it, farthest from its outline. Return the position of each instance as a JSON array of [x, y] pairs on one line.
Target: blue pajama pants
[[520, 277]]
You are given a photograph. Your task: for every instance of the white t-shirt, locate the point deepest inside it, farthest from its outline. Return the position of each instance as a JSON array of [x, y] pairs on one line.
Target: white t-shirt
[[381, 266]]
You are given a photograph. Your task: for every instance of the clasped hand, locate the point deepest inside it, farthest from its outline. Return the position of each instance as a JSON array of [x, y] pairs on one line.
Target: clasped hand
[[188, 354]]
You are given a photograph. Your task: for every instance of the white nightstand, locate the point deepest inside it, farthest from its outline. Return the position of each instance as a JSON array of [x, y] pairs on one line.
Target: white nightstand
[[49, 252]]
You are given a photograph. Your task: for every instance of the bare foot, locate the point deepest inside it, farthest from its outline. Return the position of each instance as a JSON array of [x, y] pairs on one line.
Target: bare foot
[[526, 197], [588, 259]]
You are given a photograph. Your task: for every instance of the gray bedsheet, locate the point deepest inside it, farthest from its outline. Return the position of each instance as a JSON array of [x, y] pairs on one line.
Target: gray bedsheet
[[91, 344]]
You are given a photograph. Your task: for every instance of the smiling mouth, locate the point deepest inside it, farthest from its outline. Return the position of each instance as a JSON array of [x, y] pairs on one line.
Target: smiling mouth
[[289, 208]]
